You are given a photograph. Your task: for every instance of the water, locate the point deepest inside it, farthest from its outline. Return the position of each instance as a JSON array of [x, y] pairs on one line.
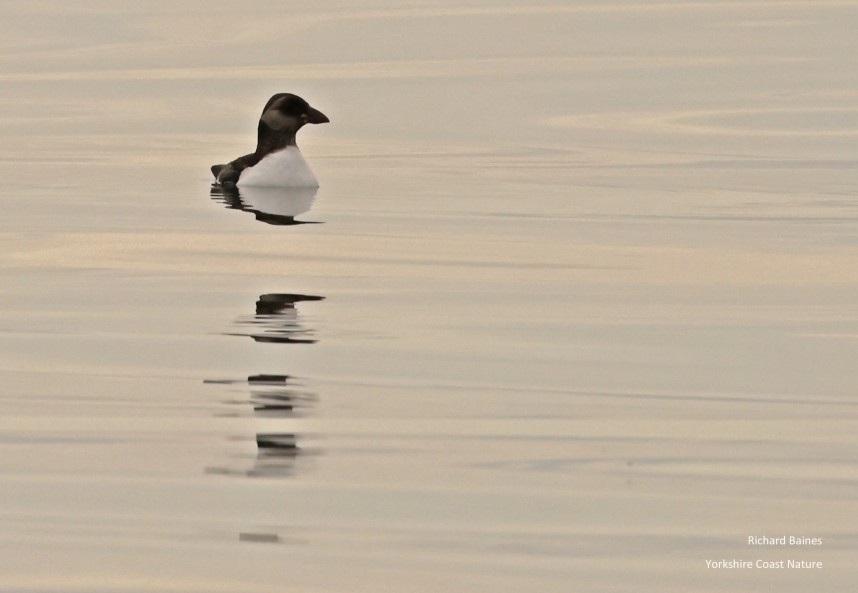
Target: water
[[573, 310]]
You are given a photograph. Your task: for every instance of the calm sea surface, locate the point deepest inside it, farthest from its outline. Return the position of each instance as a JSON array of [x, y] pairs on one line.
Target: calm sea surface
[[574, 309]]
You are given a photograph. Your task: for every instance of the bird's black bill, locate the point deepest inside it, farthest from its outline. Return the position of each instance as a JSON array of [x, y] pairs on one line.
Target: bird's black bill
[[314, 116]]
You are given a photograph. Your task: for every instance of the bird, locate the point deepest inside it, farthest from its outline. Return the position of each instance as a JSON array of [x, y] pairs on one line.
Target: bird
[[277, 162]]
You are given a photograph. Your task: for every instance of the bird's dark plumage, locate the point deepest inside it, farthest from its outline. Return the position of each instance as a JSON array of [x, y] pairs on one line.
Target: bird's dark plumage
[[283, 115]]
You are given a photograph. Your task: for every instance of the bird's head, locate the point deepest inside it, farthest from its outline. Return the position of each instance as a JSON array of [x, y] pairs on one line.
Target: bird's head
[[286, 112]]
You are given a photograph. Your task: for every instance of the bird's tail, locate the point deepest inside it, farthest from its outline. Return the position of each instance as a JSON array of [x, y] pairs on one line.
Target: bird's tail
[[216, 169]]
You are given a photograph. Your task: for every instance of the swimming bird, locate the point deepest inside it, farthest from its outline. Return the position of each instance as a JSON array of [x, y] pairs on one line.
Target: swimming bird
[[277, 162]]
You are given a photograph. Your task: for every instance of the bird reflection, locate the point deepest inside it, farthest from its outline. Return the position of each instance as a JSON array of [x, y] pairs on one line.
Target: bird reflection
[[272, 396], [285, 444], [277, 320], [276, 455], [272, 205]]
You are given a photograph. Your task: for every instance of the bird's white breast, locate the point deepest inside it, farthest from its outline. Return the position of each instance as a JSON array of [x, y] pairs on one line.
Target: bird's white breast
[[284, 168]]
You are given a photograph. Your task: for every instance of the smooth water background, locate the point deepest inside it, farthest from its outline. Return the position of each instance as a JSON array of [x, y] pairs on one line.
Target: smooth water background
[[589, 274]]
